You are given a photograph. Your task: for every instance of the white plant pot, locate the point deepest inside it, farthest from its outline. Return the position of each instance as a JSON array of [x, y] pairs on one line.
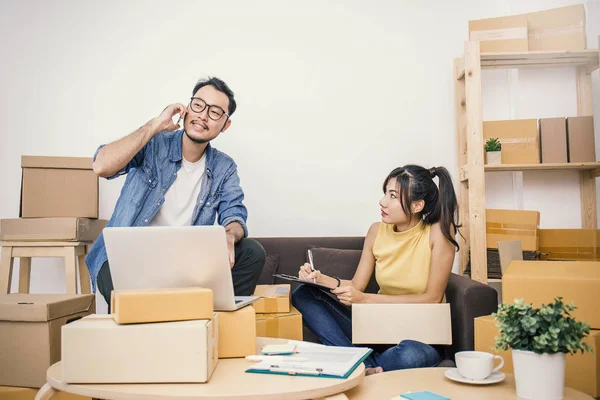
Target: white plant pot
[[539, 376], [494, 157]]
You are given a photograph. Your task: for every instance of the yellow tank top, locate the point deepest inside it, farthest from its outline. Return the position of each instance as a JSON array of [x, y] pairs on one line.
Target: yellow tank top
[[402, 259]]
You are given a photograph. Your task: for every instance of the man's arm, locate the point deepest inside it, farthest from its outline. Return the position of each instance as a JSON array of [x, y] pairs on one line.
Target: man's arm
[[116, 155], [235, 232]]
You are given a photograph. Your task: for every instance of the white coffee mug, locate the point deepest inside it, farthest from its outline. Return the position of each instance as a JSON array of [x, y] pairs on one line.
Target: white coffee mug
[[476, 365]]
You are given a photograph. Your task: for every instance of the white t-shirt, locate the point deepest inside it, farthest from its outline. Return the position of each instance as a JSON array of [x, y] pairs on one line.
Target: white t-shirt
[[180, 199]]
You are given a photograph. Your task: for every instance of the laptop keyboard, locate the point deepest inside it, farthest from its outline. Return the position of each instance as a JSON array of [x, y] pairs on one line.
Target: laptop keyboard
[[238, 301]]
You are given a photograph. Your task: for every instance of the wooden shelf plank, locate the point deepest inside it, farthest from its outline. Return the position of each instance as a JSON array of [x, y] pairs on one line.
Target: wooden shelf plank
[[542, 59], [587, 166]]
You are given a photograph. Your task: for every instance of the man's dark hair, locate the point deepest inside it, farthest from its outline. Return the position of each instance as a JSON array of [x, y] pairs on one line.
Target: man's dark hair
[[221, 87]]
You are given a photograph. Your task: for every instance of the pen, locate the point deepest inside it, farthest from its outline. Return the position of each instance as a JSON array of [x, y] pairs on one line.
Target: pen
[[294, 371], [276, 358], [312, 265]]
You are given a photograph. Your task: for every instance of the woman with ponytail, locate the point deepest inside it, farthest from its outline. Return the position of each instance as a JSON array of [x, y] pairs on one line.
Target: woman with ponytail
[[411, 252]]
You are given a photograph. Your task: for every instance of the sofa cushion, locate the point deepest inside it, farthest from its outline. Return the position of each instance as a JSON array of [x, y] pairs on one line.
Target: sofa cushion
[[270, 268], [339, 262]]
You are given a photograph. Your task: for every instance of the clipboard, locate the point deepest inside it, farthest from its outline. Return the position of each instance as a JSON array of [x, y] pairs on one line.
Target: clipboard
[[298, 280]]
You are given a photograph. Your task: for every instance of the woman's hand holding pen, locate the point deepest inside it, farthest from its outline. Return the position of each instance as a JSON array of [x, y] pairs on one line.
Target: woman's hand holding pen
[[307, 274]]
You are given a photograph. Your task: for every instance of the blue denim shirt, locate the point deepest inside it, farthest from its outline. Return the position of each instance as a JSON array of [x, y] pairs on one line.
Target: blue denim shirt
[[150, 174]]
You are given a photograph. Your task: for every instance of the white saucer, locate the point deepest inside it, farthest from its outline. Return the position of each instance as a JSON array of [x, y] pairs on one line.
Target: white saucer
[[454, 375]]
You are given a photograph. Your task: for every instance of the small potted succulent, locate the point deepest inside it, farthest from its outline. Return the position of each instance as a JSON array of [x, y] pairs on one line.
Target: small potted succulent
[[539, 339], [493, 151]]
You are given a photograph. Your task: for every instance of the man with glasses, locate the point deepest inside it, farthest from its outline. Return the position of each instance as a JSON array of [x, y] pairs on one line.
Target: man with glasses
[[175, 177]]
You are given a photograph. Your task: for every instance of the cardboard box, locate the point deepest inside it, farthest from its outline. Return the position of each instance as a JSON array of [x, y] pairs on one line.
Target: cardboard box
[[161, 305], [570, 244], [582, 371], [30, 333], [557, 29], [553, 140], [580, 135], [19, 393], [280, 325], [507, 225], [51, 229], [503, 34], [393, 323], [519, 139], [167, 352], [273, 298], [58, 187], [539, 282], [237, 333]]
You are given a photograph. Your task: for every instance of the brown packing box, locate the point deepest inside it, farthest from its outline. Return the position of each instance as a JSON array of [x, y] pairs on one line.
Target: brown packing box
[[280, 325], [505, 225], [273, 298], [30, 333], [237, 333], [553, 140], [580, 135], [557, 29], [539, 282], [519, 139], [58, 187], [582, 371], [161, 305], [570, 244], [19, 393], [503, 34], [51, 229]]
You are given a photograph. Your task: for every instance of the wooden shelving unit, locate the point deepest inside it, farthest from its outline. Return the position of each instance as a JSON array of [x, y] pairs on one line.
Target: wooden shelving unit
[[469, 131]]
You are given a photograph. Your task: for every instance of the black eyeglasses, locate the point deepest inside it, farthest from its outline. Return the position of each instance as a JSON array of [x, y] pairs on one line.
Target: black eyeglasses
[[214, 112]]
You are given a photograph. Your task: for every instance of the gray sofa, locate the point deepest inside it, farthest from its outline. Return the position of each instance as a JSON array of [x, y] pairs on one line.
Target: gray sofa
[[339, 256]]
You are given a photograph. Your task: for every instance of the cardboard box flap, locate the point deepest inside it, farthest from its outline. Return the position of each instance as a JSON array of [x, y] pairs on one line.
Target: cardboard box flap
[[588, 271], [56, 162], [42, 307]]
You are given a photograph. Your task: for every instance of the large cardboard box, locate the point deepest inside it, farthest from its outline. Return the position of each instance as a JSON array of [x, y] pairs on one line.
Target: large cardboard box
[[570, 244], [19, 393], [237, 333], [582, 371], [96, 349], [553, 140], [161, 305], [580, 134], [519, 139], [51, 229], [507, 225], [539, 282], [393, 323], [502, 34], [273, 298], [58, 187], [30, 333], [280, 325], [557, 29]]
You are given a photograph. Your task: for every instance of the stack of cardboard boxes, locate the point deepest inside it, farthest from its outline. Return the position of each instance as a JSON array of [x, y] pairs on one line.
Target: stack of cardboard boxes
[[275, 316], [539, 282]]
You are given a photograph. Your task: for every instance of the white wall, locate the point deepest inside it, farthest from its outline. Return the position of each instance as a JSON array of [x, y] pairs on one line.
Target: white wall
[[311, 156]]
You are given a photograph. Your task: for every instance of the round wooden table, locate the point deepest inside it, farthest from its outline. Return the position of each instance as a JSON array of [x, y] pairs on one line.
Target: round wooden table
[[392, 384], [229, 381]]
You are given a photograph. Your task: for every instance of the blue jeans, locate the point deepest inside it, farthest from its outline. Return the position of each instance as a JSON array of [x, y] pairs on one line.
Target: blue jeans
[[331, 322]]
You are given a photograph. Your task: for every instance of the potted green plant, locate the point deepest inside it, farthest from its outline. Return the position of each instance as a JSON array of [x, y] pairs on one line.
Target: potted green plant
[[493, 151], [540, 338]]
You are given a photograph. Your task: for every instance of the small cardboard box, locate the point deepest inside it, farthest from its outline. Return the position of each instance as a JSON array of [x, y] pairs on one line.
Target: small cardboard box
[[280, 325], [30, 329], [582, 371], [508, 225], [20, 393], [570, 244], [519, 139], [237, 333], [393, 323], [273, 298], [553, 140], [96, 349], [51, 229], [58, 187], [580, 134], [539, 282], [557, 29], [161, 305], [503, 34]]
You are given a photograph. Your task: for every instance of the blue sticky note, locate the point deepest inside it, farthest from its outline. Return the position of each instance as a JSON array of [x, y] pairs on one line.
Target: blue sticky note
[[423, 395]]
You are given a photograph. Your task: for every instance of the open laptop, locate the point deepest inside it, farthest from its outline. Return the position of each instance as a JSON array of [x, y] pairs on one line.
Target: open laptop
[[165, 257]]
